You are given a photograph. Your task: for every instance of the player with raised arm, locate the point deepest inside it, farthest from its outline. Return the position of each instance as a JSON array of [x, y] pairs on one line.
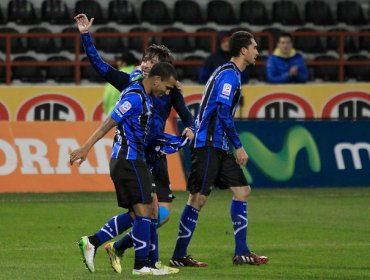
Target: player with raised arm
[[161, 110], [212, 162]]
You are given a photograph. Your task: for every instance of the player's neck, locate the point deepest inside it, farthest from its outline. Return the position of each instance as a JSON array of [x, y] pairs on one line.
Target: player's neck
[[147, 86], [239, 62]]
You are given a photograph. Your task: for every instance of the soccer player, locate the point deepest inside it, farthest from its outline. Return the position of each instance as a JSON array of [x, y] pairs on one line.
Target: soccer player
[[161, 110], [128, 169], [212, 162]]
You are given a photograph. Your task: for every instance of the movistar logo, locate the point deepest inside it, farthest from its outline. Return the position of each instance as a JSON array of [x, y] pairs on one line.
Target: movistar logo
[[280, 166]]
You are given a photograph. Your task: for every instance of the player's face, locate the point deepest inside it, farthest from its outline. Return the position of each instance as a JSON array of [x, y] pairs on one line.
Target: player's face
[[251, 53], [163, 87], [147, 64]]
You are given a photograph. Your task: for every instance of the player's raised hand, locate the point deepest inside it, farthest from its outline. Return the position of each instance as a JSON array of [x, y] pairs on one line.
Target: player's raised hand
[[78, 154], [83, 23], [241, 156]]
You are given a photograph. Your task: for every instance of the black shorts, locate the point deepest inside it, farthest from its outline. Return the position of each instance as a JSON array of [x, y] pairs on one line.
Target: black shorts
[[162, 182], [133, 182], [214, 167]]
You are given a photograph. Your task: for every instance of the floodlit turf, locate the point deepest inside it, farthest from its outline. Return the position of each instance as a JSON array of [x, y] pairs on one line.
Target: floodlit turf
[[306, 233]]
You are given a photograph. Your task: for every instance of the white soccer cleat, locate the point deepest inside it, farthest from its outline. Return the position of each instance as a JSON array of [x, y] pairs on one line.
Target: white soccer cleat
[[142, 271], [88, 252]]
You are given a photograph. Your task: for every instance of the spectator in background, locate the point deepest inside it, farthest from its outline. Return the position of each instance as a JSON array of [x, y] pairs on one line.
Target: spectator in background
[[220, 57], [285, 65], [125, 63]]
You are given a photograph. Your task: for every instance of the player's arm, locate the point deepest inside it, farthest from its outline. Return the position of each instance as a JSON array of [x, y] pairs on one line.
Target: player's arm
[[182, 110], [116, 78], [81, 153]]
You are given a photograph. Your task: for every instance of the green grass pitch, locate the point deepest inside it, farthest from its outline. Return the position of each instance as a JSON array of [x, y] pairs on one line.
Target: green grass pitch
[[306, 233]]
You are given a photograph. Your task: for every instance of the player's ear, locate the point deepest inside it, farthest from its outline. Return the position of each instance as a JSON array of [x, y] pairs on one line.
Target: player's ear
[[156, 80]]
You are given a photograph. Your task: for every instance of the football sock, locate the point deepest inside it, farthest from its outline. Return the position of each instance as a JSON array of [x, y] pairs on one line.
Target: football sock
[[141, 237], [153, 251], [114, 227], [188, 221], [124, 243], [163, 213], [239, 217]]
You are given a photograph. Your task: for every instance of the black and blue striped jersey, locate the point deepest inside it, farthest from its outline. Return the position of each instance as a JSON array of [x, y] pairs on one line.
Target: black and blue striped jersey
[[214, 125], [133, 115]]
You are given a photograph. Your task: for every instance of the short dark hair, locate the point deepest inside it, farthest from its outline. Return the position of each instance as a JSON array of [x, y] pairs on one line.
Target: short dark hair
[[164, 70], [239, 40], [285, 35], [163, 53]]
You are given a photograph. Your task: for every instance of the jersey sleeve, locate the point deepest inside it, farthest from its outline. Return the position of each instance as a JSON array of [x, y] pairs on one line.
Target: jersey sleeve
[[128, 106], [226, 87], [181, 109]]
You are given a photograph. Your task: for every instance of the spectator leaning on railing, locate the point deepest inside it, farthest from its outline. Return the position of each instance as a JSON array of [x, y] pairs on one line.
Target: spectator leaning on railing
[[285, 65]]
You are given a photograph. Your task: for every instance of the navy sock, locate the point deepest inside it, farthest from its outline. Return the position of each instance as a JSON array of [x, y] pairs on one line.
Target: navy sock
[[124, 243], [141, 238], [239, 217], [153, 252], [188, 221], [114, 227]]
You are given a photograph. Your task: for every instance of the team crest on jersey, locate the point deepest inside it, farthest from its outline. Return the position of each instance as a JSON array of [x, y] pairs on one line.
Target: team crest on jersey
[[125, 107]]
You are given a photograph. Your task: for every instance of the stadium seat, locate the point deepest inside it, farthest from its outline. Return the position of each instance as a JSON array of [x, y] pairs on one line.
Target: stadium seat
[[286, 12], [17, 45], [177, 44], [22, 12], [275, 32], [254, 12], [188, 12], [358, 72], [155, 12], [258, 71], [28, 74], [350, 12], [192, 71], [204, 43], [41, 44], [137, 43], [309, 44], [122, 12], [55, 12], [88, 73], [326, 72], [364, 41], [68, 43], [92, 9], [60, 73], [2, 18], [221, 12], [2, 72], [318, 12], [109, 44], [350, 43]]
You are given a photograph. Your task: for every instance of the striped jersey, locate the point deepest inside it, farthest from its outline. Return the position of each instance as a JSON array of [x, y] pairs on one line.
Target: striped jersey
[[222, 88], [133, 116]]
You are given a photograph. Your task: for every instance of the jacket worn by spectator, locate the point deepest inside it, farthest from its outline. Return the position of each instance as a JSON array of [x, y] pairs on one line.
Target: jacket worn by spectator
[[277, 68]]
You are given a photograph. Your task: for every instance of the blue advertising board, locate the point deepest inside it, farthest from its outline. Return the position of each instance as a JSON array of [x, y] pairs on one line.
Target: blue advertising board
[[305, 153]]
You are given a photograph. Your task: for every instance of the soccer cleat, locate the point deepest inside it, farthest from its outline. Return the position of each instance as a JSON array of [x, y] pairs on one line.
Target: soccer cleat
[[88, 252], [142, 271], [114, 257], [149, 271], [170, 270], [187, 261], [250, 258]]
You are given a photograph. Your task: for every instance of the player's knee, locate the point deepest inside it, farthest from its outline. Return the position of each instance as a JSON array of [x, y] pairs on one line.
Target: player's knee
[[242, 193], [197, 200]]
